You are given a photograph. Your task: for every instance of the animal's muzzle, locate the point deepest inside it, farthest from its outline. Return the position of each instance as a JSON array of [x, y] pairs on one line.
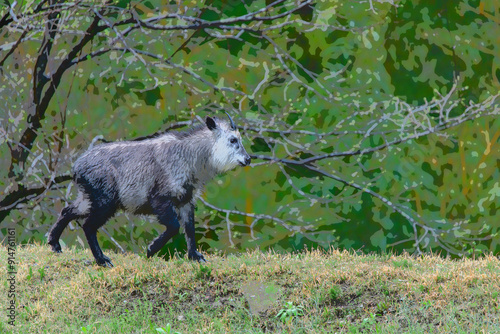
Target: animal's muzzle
[[247, 161]]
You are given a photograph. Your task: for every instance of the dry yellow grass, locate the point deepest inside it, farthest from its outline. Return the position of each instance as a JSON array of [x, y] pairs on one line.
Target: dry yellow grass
[[336, 291]]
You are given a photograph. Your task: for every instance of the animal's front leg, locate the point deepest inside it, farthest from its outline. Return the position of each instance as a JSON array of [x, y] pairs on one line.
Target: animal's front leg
[[186, 215]]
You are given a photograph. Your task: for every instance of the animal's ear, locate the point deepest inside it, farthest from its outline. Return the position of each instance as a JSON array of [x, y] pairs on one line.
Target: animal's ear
[[211, 125]]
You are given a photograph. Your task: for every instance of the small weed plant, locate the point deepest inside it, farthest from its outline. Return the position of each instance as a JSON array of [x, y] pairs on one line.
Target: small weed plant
[[289, 312], [166, 330]]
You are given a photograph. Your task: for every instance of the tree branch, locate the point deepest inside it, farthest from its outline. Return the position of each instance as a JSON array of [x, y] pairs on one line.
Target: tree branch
[[252, 215], [471, 112], [11, 51], [41, 99], [228, 23], [23, 195], [21, 152]]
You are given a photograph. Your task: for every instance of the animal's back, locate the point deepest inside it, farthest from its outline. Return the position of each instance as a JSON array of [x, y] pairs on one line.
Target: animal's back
[[122, 171]]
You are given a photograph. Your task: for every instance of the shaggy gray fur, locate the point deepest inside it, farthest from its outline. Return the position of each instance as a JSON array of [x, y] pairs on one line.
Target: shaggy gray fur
[[158, 176]]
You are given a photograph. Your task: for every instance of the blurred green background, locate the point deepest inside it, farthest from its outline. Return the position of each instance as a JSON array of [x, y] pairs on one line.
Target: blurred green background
[[397, 101]]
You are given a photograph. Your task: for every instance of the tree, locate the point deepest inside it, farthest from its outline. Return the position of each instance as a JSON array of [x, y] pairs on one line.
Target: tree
[[324, 97]]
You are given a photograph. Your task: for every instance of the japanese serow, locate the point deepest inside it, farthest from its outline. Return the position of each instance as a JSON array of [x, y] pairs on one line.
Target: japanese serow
[[159, 176]]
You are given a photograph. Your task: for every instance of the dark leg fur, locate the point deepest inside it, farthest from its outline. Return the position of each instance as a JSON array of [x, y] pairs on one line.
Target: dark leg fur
[[90, 227], [161, 240], [166, 216], [187, 218], [100, 258], [67, 214]]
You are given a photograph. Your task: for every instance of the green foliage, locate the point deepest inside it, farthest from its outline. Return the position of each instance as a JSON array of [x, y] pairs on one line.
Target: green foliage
[[402, 264], [203, 272], [30, 274], [289, 312], [359, 80], [166, 330], [41, 271], [335, 293]]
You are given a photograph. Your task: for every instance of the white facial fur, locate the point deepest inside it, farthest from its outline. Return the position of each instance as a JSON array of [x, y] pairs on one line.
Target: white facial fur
[[227, 155]]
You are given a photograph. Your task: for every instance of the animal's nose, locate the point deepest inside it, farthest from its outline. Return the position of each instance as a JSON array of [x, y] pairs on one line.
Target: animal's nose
[[248, 160]]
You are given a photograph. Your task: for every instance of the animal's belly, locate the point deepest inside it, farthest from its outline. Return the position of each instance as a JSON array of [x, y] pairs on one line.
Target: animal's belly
[[134, 194]]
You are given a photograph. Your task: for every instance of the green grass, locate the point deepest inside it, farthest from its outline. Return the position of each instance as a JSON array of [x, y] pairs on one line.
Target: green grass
[[255, 292]]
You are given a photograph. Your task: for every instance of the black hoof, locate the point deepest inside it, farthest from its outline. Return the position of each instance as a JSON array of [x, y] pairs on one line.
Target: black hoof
[[197, 256], [104, 262], [56, 248]]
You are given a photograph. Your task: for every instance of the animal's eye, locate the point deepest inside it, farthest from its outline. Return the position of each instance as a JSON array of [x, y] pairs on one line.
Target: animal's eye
[[233, 140]]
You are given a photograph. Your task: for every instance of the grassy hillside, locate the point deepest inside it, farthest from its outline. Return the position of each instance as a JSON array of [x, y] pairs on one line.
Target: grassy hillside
[[311, 292]]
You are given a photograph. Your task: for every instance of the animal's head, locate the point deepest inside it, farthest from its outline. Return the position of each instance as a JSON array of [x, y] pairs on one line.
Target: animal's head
[[228, 151]]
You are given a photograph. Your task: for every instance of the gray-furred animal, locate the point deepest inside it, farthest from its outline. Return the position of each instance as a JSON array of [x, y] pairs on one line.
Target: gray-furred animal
[[159, 176]]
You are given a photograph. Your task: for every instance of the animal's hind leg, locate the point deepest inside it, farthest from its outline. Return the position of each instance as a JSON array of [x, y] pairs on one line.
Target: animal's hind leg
[[166, 216], [67, 214], [90, 227]]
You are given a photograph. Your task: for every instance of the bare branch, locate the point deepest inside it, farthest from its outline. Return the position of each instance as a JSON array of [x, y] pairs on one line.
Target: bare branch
[[251, 215], [472, 112], [19, 152], [12, 49], [23, 195], [113, 239], [227, 23]]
